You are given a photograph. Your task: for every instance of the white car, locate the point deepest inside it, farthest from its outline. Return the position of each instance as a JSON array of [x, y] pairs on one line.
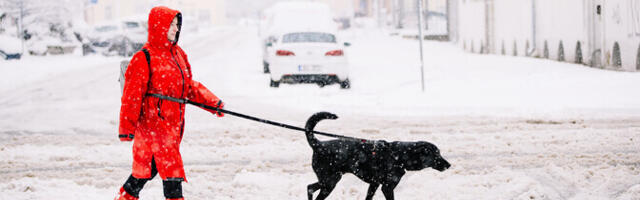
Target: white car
[[120, 37], [309, 57], [284, 16], [11, 47]]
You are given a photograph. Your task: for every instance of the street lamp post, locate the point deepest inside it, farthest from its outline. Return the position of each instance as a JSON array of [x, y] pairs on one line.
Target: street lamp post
[[21, 33], [421, 38]]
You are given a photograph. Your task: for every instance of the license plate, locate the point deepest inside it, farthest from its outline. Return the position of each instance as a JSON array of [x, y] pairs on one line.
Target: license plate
[[309, 68]]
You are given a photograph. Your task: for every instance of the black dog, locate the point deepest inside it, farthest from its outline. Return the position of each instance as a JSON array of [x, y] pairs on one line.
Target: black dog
[[375, 162]]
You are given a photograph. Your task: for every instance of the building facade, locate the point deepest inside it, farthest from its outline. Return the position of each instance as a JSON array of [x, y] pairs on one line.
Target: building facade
[[101, 11], [598, 33]]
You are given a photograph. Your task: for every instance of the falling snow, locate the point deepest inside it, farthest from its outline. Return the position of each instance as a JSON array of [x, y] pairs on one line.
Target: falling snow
[[512, 128]]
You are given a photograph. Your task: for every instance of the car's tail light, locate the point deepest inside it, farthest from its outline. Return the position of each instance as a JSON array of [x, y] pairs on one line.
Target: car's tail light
[[284, 53], [334, 53]]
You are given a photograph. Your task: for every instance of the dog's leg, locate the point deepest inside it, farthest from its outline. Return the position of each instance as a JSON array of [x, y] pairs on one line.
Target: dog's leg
[[327, 186], [372, 190], [311, 189], [387, 190]]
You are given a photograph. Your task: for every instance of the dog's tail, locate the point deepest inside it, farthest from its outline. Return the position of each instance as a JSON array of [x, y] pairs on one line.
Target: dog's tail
[[311, 123]]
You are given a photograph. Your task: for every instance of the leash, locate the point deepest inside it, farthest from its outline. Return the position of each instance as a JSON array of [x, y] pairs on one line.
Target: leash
[[187, 101]]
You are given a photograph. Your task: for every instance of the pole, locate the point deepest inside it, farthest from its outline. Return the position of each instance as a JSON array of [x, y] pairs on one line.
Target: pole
[[533, 27], [394, 13], [425, 7], [448, 18], [421, 38], [376, 7], [21, 34], [401, 14]]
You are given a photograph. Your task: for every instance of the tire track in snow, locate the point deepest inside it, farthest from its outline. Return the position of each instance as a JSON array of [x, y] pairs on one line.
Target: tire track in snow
[[122, 166], [538, 162]]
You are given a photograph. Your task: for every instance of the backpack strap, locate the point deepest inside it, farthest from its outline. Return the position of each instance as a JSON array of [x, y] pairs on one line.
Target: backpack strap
[[146, 54]]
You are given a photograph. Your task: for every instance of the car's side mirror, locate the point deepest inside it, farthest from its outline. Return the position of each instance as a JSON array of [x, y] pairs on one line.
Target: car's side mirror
[[346, 44], [269, 44]]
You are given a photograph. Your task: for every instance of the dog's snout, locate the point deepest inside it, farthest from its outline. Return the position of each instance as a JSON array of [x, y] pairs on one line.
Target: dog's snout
[[443, 165]]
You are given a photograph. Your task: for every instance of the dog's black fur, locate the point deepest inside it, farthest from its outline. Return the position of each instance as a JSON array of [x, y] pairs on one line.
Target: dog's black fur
[[375, 162]]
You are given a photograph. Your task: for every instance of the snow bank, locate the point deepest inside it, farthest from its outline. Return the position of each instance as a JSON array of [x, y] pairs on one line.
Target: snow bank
[[30, 69]]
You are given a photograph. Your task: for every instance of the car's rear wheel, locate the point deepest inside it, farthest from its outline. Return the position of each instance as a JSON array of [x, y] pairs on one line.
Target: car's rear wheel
[[321, 84], [274, 84], [3, 55], [266, 67], [346, 84]]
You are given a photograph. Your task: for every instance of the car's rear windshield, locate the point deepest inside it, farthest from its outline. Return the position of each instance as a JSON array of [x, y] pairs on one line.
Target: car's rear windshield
[[131, 24], [106, 28], [309, 37]]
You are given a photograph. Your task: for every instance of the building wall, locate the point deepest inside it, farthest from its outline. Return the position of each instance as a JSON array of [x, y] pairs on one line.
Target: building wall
[[341, 8], [368, 8], [109, 10], [210, 11], [622, 26], [554, 29], [388, 12], [512, 27], [471, 25], [562, 22]]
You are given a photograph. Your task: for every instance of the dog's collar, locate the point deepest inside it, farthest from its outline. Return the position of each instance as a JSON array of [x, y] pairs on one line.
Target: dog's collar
[[375, 144]]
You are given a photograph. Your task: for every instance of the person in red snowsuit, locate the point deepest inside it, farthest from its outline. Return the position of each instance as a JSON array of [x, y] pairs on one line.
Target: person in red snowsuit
[[156, 125]]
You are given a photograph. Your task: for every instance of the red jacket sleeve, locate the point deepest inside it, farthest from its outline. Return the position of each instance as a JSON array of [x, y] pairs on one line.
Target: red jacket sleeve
[[135, 87], [199, 93]]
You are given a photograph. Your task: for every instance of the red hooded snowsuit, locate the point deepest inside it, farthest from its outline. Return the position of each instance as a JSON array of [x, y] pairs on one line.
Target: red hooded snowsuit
[[158, 124]]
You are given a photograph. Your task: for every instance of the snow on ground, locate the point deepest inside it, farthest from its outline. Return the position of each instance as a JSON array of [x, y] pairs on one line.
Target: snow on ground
[[512, 127]]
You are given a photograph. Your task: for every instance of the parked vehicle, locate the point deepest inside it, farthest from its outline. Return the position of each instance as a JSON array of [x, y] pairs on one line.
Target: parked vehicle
[[310, 56], [287, 15], [9, 56], [118, 38], [10, 48]]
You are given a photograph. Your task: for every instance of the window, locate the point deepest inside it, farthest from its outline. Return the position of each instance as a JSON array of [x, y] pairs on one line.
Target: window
[[103, 29], [108, 14], [308, 37], [131, 24]]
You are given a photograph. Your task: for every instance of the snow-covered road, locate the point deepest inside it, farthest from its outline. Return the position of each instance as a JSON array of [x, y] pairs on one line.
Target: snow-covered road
[[513, 128]]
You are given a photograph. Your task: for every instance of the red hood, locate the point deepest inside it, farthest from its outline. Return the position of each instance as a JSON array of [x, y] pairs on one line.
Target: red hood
[[160, 19]]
